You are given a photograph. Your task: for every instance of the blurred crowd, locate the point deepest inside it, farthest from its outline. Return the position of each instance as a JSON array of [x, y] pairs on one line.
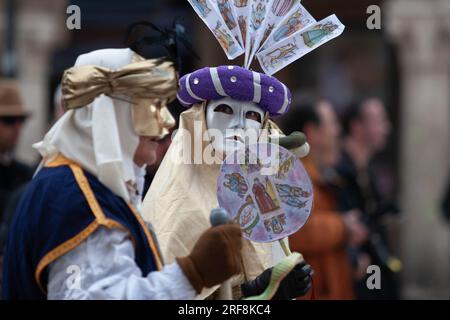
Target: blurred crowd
[[345, 233]]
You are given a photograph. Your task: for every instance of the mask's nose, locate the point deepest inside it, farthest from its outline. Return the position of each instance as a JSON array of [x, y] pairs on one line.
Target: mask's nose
[[238, 121]]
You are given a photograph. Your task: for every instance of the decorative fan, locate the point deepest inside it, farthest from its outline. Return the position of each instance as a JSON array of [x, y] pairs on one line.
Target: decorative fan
[[276, 32], [267, 192]]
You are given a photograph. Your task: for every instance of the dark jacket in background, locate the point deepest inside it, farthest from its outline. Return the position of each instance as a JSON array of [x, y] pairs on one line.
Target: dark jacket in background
[[357, 191], [13, 176]]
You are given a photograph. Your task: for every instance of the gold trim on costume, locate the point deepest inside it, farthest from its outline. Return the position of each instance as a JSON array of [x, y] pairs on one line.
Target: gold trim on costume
[[148, 235], [100, 220], [61, 250]]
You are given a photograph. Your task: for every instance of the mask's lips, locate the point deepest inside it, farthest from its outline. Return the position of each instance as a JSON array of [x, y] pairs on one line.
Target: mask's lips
[[235, 138]]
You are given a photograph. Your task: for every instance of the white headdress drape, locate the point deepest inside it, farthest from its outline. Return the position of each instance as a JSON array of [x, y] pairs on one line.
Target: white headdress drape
[[100, 137]]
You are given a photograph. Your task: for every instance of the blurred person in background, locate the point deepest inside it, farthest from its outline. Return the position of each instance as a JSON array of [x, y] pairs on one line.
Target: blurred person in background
[[366, 129], [446, 203], [324, 239], [13, 174]]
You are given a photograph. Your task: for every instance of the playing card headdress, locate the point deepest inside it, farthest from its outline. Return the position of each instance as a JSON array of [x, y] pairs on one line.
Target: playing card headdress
[[276, 32]]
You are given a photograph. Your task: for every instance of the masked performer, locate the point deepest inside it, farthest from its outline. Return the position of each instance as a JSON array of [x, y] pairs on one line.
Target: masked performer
[[77, 232], [226, 105], [235, 102]]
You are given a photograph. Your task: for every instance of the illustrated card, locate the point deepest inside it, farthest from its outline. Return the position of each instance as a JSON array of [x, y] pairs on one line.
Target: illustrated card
[[258, 12], [241, 9], [227, 10], [282, 53], [295, 20], [209, 12]]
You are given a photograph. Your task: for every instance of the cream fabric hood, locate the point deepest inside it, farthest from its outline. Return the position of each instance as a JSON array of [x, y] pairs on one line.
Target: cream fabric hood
[[180, 199]]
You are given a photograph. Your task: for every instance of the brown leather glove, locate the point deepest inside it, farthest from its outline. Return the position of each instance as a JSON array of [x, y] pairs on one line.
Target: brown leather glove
[[215, 258]]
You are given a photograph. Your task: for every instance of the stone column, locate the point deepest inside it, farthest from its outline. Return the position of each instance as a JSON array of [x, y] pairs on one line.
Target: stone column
[[421, 31]]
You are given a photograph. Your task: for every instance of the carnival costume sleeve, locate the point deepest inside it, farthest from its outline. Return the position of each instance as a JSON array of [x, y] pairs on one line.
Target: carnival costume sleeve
[[103, 267], [106, 269]]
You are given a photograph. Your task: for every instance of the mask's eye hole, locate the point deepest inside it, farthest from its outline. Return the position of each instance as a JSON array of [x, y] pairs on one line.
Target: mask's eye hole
[[224, 108], [253, 115]]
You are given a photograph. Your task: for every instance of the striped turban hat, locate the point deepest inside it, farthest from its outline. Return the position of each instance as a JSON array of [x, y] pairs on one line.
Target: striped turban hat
[[237, 83]]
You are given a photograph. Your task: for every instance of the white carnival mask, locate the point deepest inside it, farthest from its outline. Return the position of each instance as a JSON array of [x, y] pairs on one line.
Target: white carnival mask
[[232, 123]]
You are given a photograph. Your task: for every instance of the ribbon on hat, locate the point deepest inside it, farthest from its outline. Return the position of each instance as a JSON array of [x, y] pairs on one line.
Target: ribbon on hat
[[143, 80]]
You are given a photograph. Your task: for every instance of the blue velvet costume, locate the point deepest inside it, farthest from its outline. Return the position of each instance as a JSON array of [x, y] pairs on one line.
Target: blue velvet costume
[[59, 209]]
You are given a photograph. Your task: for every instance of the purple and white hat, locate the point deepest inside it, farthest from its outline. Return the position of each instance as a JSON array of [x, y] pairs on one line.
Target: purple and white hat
[[237, 83]]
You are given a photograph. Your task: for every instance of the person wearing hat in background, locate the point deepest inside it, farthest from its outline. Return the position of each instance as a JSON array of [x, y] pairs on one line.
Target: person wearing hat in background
[[13, 173], [77, 232]]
